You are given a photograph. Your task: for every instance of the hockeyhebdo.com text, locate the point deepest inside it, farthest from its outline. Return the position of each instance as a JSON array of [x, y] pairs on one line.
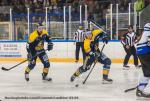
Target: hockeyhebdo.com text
[[39, 97]]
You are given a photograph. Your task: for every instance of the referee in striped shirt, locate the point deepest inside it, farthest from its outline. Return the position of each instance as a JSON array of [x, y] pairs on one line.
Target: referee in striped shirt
[[128, 41], [79, 40]]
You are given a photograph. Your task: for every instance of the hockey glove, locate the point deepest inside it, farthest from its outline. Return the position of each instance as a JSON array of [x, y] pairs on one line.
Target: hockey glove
[[105, 40], [47, 38], [50, 46], [92, 54]]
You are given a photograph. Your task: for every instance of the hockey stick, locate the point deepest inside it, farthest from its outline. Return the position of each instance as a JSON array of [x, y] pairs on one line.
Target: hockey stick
[[130, 89], [97, 25], [93, 66], [7, 69]]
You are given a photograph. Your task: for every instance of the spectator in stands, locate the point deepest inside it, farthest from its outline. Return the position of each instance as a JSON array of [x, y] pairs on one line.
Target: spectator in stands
[[147, 2], [125, 5], [139, 5], [39, 6], [114, 36], [90, 16], [20, 34], [27, 3], [97, 12], [47, 3], [75, 4], [61, 3], [16, 9], [0, 2], [22, 8], [26, 35], [32, 8], [91, 6]]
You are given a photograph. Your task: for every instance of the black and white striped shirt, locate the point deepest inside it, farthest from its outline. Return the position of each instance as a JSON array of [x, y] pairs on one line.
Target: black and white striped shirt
[[79, 36], [129, 39]]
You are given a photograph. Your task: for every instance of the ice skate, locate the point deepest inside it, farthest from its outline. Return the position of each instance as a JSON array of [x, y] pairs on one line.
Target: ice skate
[[107, 81], [140, 93], [72, 78], [138, 66], [46, 78], [27, 76], [126, 67]]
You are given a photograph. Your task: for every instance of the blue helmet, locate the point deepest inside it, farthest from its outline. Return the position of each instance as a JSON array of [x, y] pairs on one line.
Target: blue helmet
[[40, 24]]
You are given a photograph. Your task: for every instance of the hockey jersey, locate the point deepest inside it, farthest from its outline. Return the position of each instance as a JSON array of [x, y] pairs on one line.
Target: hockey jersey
[[36, 41], [97, 34], [143, 46], [88, 46]]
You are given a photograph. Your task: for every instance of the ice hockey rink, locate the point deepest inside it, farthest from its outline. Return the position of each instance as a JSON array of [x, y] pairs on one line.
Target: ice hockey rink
[[13, 85]]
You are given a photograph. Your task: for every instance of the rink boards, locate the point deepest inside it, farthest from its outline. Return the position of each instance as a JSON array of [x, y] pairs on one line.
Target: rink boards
[[63, 51]]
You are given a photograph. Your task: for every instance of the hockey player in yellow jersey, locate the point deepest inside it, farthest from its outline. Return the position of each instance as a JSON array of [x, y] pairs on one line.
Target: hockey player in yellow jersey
[[35, 48], [99, 34], [91, 44]]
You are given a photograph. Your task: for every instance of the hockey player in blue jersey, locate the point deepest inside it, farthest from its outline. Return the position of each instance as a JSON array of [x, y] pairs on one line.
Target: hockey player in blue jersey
[[143, 51]]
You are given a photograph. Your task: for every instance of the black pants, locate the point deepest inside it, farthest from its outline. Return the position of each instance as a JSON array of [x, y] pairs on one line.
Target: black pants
[[145, 61], [130, 51], [78, 46]]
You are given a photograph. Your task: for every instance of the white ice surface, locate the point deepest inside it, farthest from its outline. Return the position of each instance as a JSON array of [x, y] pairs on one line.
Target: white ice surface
[[13, 84]]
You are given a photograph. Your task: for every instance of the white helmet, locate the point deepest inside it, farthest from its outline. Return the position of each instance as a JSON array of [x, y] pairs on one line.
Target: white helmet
[[147, 26]]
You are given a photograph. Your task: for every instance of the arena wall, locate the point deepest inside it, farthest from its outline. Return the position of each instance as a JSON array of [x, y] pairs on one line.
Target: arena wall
[[63, 51]]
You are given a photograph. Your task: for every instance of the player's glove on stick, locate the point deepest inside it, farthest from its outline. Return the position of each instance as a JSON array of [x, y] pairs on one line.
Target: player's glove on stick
[[92, 54], [50, 46], [105, 40]]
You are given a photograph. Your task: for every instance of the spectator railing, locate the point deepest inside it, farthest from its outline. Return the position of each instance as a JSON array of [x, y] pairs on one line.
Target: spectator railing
[[60, 24]]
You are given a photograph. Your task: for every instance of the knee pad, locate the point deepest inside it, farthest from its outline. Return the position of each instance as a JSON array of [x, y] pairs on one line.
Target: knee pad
[[31, 64], [107, 63], [47, 65]]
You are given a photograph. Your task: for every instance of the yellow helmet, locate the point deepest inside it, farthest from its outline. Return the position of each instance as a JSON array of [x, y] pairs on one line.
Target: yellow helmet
[[80, 26]]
